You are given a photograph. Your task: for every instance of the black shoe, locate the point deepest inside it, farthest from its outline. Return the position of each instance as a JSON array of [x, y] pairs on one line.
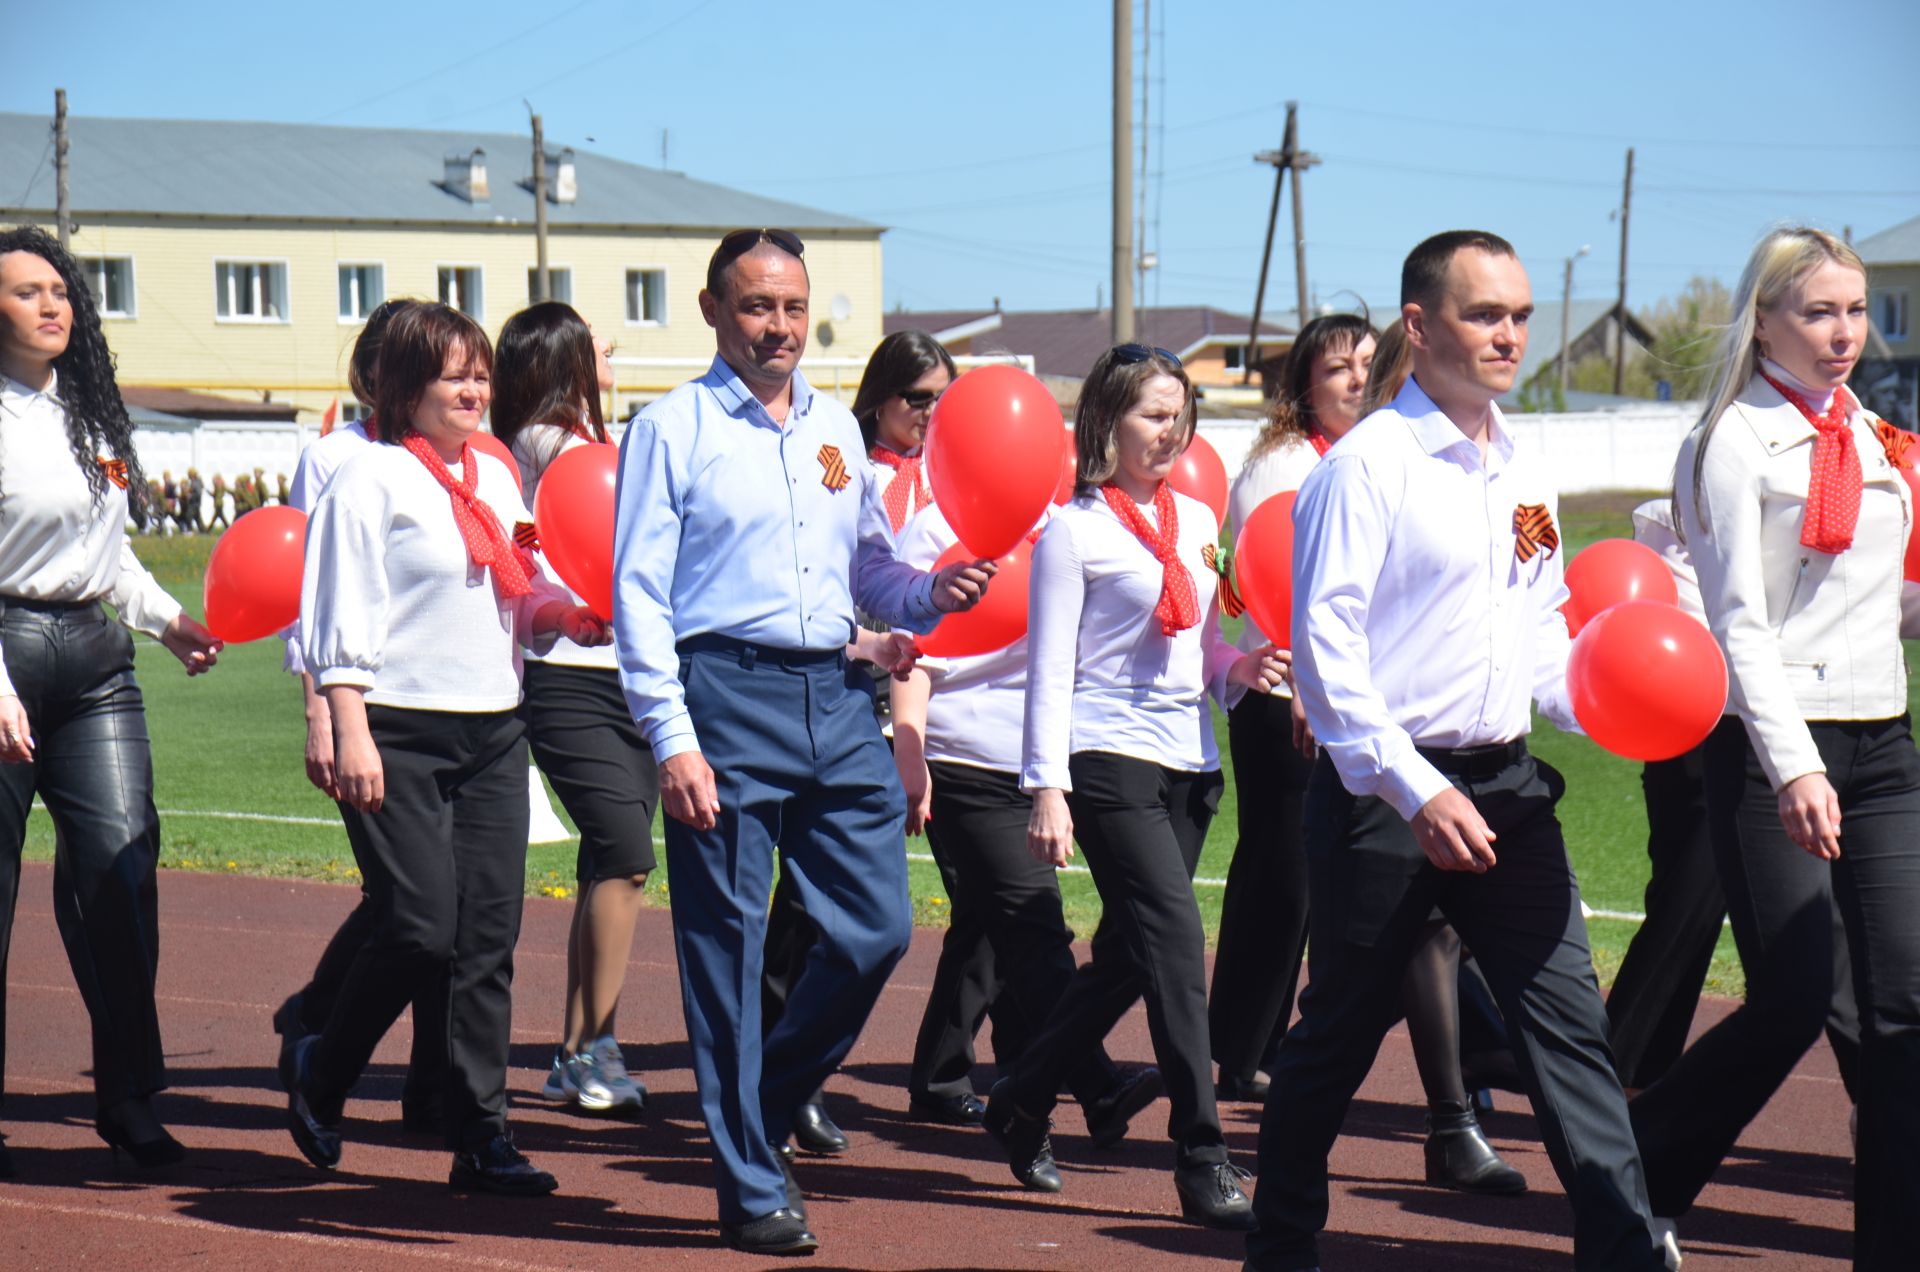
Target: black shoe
[[288, 1024], [1026, 1140], [781, 1232], [317, 1138], [1238, 1090], [6, 1160], [1210, 1195], [815, 1132], [796, 1200], [964, 1109], [1459, 1157], [499, 1168], [1107, 1117], [119, 1126]]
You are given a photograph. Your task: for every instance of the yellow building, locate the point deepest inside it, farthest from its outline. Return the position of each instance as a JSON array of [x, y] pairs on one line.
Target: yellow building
[[239, 258]]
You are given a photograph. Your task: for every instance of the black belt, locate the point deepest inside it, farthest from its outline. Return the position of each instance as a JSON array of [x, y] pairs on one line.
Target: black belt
[[37, 605], [1475, 762], [750, 654]]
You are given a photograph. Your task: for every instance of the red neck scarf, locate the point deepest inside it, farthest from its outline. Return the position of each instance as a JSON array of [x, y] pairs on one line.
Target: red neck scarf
[[908, 489], [1833, 490], [1179, 606], [1320, 442], [487, 544]]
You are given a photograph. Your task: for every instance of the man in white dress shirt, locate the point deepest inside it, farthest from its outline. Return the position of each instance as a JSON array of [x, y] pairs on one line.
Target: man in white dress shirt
[[1427, 585]]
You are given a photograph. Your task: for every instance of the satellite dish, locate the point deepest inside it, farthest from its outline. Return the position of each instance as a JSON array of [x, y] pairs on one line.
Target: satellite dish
[[824, 334], [841, 308]]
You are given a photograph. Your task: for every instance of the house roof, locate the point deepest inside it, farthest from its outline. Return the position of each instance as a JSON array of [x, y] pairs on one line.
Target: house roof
[[1898, 245], [1544, 326], [200, 406], [319, 172], [1066, 342]]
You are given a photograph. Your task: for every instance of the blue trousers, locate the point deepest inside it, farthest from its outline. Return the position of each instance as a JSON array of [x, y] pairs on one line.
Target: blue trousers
[[802, 771]]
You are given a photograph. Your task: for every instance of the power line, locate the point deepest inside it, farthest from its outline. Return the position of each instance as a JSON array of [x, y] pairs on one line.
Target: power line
[[1478, 125]]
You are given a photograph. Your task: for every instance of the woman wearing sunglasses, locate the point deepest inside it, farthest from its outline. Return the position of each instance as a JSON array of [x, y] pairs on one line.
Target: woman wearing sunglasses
[[906, 375], [1118, 749]]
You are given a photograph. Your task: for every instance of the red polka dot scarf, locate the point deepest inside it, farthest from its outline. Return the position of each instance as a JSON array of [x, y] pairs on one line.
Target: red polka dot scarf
[[487, 544], [1320, 442], [1833, 492], [908, 489], [1179, 606]]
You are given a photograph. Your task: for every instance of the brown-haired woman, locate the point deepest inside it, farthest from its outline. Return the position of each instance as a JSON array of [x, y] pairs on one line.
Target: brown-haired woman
[[550, 371], [414, 605], [906, 375], [1118, 749]]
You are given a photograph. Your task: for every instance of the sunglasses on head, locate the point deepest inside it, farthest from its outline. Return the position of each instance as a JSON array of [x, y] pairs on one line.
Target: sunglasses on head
[[740, 242], [919, 399], [1128, 354]]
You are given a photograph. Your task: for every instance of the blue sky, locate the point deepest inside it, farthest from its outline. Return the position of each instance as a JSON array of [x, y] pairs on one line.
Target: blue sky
[[980, 131]]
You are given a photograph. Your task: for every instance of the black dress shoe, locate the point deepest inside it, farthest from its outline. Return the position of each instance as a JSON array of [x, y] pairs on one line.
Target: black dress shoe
[[130, 1127], [1210, 1195], [815, 1132], [1027, 1141], [781, 1232], [288, 1024], [1459, 1157], [1108, 1116], [317, 1138], [1233, 1089], [796, 1200], [964, 1109], [499, 1168], [6, 1160]]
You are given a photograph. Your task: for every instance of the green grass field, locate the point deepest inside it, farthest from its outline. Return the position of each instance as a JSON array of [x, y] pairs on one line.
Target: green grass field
[[234, 796]]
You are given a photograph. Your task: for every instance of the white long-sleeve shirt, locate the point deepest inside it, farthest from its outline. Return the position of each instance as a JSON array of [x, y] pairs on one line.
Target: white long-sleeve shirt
[[978, 702], [391, 600], [56, 543], [1415, 623], [1101, 675], [1279, 470], [320, 460], [535, 447], [1808, 635]]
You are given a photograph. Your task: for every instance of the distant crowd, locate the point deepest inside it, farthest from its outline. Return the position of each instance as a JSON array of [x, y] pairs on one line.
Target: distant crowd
[[190, 506]]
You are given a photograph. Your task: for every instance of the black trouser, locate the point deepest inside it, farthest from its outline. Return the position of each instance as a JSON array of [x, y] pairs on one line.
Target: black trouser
[[1140, 827], [72, 667], [445, 863], [1005, 914], [1373, 891], [1779, 898], [1650, 1009], [1263, 914]]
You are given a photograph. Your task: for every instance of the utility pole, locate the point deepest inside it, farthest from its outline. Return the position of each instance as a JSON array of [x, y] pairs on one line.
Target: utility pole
[[1566, 324], [541, 288], [1122, 264], [1289, 159], [62, 212], [1620, 305]]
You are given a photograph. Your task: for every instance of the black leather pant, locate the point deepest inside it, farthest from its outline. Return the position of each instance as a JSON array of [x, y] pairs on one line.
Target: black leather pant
[[73, 669]]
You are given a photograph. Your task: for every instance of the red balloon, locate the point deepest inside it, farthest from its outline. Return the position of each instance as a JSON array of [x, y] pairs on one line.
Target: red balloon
[[993, 456], [573, 509], [1647, 680], [485, 441], [1069, 471], [1610, 572], [997, 621], [1199, 473], [1263, 567], [252, 586], [1913, 535]]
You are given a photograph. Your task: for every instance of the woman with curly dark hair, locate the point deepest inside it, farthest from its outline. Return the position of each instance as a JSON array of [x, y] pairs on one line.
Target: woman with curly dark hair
[[72, 728]]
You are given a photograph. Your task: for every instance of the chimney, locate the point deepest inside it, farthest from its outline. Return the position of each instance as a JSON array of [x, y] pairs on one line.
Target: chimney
[[467, 176], [565, 187]]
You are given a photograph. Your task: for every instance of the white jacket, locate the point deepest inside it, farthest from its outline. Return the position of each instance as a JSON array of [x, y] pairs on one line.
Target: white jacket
[[1807, 636]]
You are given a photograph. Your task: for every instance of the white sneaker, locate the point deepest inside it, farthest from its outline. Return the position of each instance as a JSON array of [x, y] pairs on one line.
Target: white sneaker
[[559, 1082], [1667, 1236], [629, 1094]]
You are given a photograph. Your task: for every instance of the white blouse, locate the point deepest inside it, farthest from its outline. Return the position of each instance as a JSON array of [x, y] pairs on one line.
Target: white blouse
[[56, 542], [1279, 470], [320, 460], [978, 702], [1102, 677], [391, 601], [535, 447]]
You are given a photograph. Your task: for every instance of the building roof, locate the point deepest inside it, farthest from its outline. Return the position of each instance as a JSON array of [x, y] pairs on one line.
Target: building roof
[[1899, 245], [185, 404], [312, 172], [1066, 342]]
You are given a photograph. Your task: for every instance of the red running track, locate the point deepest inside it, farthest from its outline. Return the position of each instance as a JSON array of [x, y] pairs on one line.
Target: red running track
[[638, 1195]]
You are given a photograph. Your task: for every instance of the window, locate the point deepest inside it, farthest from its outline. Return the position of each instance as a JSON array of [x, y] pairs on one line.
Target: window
[[250, 291], [559, 284], [461, 286], [1890, 312], [1234, 356], [647, 296], [111, 280], [352, 412], [362, 288]]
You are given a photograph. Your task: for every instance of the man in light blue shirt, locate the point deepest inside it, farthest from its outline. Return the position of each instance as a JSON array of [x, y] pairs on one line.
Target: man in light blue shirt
[[749, 526]]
